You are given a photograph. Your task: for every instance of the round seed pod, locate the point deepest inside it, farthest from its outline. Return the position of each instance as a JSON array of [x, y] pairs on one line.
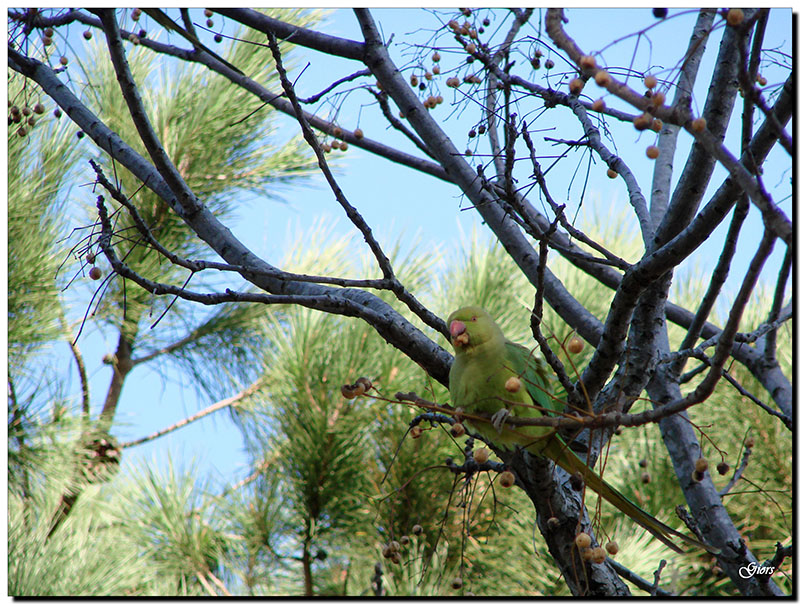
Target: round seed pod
[[481, 455], [507, 479], [583, 540]]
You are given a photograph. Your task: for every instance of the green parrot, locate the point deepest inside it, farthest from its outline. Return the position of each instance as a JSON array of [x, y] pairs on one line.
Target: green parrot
[[492, 376]]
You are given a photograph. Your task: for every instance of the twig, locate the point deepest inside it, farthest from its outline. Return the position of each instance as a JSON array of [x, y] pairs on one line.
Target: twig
[[770, 341], [638, 581], [231, 401], [657, 577], [397, 124], [245, 271], [718, 278], [348, 78], [352, 213], [738, 473], [130, 92]]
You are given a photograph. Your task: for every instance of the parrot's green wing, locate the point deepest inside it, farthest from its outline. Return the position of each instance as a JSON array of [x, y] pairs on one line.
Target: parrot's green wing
[[492, 376], [534, 373]]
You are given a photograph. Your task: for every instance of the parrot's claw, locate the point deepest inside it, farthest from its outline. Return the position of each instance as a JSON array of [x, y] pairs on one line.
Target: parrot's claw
[[499, 419]]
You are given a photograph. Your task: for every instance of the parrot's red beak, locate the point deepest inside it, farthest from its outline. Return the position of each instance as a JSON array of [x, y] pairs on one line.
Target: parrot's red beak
[[457, 328], [458, 333]]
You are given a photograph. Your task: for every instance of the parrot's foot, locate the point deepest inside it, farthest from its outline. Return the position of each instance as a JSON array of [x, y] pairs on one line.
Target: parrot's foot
[[499, 419]]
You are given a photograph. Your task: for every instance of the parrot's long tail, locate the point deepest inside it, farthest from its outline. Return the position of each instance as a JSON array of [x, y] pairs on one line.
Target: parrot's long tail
[[570, 462]]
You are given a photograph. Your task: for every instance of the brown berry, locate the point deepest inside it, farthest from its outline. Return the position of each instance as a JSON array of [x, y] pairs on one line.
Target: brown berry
[[31, 121], [47, 40], [750, 442], [576, 85], [549, 64], [337, 132], [343, 146], [698, 125], [723, 468], [652, 152], [657, 125], [507, 479], [650, 81], [335, 145], [643, 122], [414, 80], [358, 133], [658, 99], [612, 548], [428, 75], [471, 48], [95, 273], [735, 16], [761, 80], [348, 391], [553, 522], [587, 62], [643, 463], [208, 12], [137, 12], [457, 583], [599, 555], [63, 60], [599, 105], [417, 529], [209, 23], [405, 540], [437, 70], [513, 384], [22, 131], [57, 112], [576, 344], [583, 540], [26, 111], [38, 108], [436, 57], [646, 478], [365, 382], [602, 78], [701, 465], [611, 173], [90, 258], [481, 455], [457, 429]]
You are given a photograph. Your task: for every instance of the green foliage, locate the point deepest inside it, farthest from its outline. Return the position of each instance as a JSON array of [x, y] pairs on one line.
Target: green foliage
[[38, 168]]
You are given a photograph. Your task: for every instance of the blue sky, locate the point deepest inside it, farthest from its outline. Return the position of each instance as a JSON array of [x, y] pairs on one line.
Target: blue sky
[[396, 201]]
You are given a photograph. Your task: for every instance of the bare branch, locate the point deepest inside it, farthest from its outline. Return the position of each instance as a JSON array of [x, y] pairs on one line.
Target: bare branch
[[228, 402]]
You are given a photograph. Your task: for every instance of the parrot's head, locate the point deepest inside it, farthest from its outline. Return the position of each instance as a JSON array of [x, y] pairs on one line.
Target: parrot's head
[[472, 326]]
